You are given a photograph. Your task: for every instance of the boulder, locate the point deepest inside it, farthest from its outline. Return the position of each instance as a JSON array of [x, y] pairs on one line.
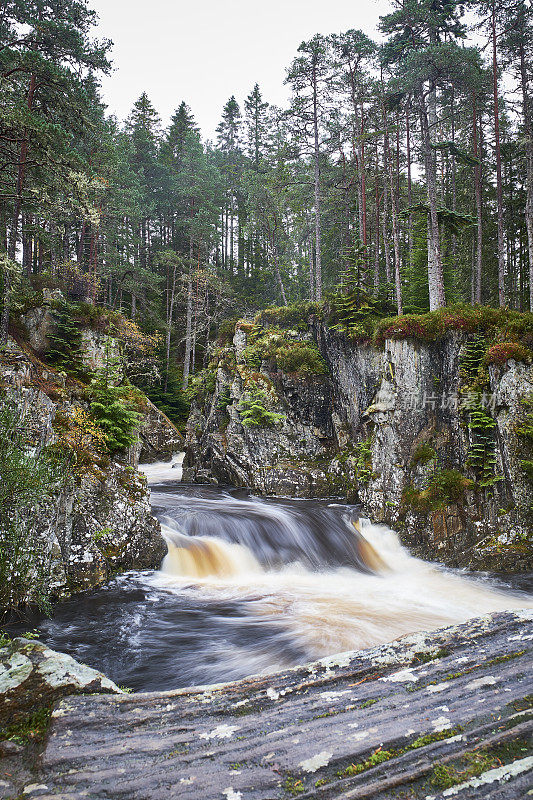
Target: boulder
[[33, 677]]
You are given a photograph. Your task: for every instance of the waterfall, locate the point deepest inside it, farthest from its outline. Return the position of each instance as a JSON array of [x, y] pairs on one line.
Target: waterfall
[[253, 585], [336, 581]]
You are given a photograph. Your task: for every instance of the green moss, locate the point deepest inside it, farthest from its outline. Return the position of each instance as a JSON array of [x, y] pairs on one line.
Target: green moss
[[424, 658], [368, 703], [367, 319], [503, 351], [473, 764], [283, 353], [430, 738], [505, 658], [378, 757], [444, 487], [293, 786], [30, 728], [293, 316], [423, 454]]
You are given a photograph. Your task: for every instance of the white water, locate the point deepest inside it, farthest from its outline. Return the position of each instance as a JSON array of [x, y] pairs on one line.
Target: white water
[[336, 608], [253, 585], [162, 471]]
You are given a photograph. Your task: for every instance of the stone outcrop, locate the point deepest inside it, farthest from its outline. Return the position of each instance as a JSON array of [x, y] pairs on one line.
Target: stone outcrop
[[159, 439], [430, 715], [282, 458], [98, 521], [100, 352], [406, 405], [387, 428], [33, 677]]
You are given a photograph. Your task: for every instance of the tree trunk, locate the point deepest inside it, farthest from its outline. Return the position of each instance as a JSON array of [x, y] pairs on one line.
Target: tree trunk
[[188, 327], [499, 194], [476, 278], [435, 271], [279, 280], [318, 229], [395, 215], [409, 187], [170, 317], [528, 125]]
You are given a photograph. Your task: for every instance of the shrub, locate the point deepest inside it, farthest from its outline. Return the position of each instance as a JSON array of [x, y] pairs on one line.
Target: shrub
[[300, 357], [445, 487], [423, 454], [253, 409], [201, 385], [116, 415], [80, 440], [65, 351], [503, 351], [284, 353], [293, 316]]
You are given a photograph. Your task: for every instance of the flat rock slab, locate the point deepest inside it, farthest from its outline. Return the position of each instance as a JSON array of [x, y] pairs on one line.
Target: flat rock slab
[[432, 715]]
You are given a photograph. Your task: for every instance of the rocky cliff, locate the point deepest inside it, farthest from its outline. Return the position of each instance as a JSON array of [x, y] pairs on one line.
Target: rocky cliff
[[97, 519], [428, 435]]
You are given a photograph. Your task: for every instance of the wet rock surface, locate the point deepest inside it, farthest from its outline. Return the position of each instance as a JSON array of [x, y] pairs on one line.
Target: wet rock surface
[[430, 715], [33, 676]]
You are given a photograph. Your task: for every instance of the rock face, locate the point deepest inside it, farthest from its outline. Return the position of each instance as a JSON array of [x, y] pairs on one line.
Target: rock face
[[403, 406], [430, 715], [32, 677], [159, 439], [282, 458], [389, 427], [100, 352], [99, 521]]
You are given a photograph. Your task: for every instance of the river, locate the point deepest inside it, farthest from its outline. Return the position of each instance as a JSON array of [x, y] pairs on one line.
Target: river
[[253, 585]]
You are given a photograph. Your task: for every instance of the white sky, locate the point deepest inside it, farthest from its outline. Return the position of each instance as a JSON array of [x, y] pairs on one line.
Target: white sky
[[203, 51]]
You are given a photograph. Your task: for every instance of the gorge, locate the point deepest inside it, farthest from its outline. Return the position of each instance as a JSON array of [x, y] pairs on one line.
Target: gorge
[[302, 448]]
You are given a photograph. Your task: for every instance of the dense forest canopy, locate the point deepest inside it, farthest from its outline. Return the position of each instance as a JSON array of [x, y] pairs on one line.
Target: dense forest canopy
[[401, 171]]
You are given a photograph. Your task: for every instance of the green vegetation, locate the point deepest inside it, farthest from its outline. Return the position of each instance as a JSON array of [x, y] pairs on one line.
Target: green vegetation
[[503, 351], [444, 487], [253, 408], [425, 658], [363, 461], [65, 351], [423, 455], [473, 764], [474, 394], [293, 786], [295, 316], [502, 327], [29, 728], [282, 352], [376, 758], [115, 413], [202, 385]]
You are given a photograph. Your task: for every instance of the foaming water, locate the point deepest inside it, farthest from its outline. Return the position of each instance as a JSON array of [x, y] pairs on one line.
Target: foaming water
[[375, 592], [253, 585], [161, 471]]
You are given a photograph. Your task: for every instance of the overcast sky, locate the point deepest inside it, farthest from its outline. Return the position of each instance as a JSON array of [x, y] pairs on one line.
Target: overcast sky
[[203, 51]]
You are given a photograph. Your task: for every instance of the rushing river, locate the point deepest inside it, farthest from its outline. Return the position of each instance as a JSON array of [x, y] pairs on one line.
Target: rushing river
[[252, 585]]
